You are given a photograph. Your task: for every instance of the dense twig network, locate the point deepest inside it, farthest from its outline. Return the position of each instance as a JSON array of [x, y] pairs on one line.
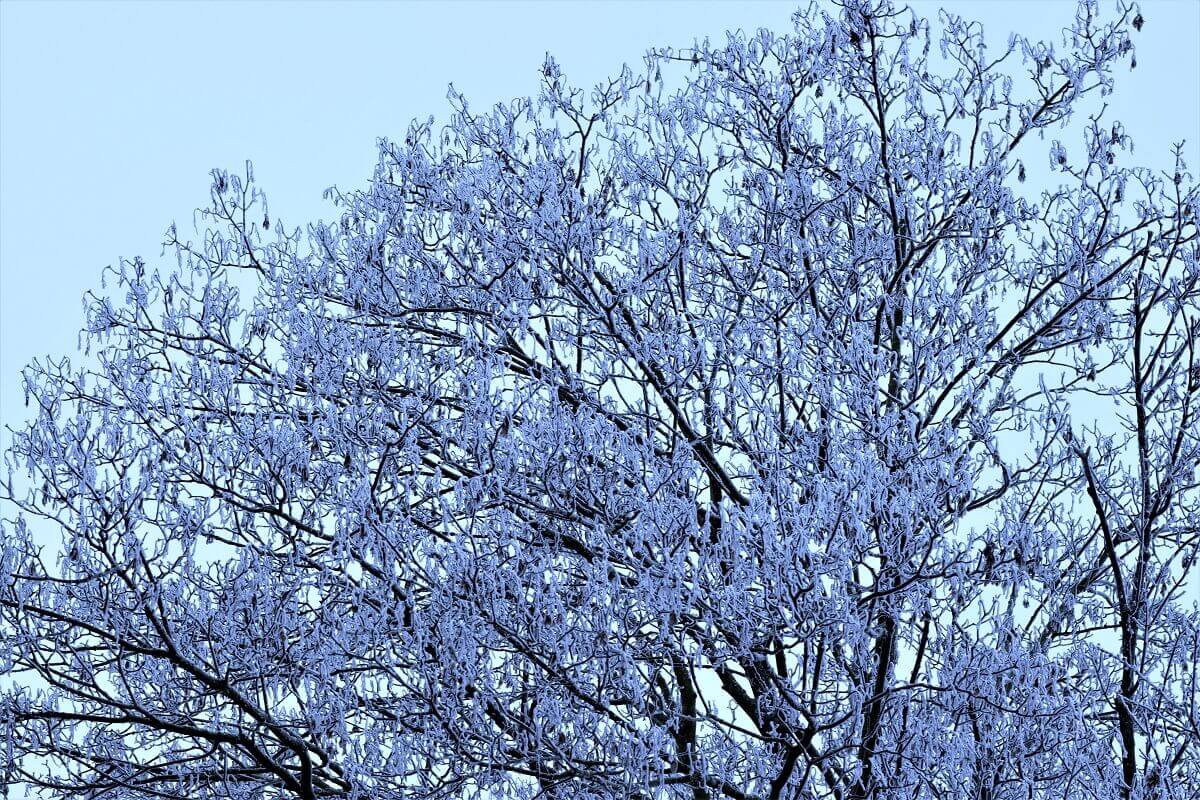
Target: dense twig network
[[772, 422]]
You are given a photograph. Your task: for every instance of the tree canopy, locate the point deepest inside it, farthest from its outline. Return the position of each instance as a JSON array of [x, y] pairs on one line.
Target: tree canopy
[[793, 417]]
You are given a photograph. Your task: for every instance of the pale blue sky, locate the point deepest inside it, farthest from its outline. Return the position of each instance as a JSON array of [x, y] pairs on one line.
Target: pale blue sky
[[112, 114]]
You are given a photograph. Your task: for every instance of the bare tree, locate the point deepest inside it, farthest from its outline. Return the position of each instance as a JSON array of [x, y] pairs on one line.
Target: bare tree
[[768, 436]]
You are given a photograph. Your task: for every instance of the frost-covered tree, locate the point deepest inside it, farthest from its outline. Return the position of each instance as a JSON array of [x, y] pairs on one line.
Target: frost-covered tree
[[793, 418]]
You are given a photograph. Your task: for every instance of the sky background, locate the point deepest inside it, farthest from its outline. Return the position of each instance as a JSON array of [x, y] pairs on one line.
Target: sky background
[[113, 114]]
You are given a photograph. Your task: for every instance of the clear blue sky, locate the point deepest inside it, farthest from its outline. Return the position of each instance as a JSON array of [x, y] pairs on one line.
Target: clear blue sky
[[112, 114]]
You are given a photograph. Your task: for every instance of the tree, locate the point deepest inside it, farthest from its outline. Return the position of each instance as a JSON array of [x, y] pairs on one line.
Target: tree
[[764, 437]]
